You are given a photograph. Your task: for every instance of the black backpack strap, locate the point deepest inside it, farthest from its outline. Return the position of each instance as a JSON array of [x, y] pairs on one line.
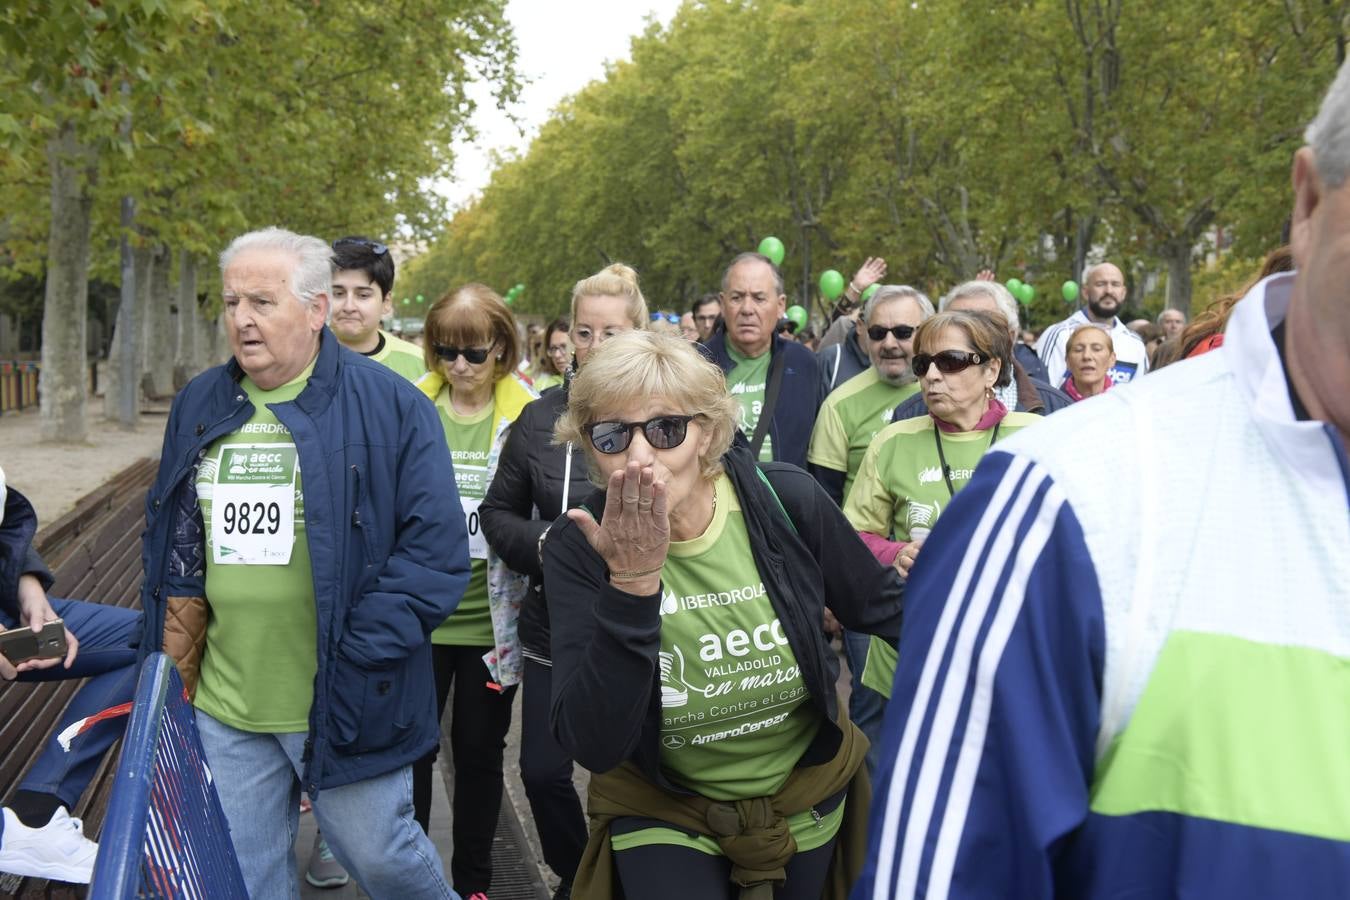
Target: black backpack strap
[[771, 392]]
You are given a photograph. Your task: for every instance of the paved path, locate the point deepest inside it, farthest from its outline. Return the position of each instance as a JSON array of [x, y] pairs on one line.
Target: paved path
[[54, 476]]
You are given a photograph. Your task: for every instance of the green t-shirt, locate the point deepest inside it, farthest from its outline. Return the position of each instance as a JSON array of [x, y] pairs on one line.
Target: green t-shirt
[[900, 490], [546, 381], [261, 654], [747, 381], [853, 414], [735, 714], [470, 440], [403, 357]]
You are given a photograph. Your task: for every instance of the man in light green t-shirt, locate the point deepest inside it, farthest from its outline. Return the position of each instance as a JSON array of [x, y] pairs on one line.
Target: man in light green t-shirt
[[858, 409], [362, 295]]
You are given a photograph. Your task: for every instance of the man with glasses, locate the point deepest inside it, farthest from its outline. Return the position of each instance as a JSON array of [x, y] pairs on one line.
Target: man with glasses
[[850, 417], [1103, 299], [775, 379], [302, 541], [706, 311], [363, 284]]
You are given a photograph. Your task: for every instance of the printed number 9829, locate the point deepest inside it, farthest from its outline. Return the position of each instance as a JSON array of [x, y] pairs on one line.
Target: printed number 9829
[[252, 518]]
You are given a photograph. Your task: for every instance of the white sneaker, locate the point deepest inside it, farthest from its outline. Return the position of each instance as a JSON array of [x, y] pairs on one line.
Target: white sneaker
[[58, 851]]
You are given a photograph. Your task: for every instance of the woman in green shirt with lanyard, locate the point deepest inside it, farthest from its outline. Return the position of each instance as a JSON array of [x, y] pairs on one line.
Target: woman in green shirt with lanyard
[[472, 349], [690, 672], [914, 467]]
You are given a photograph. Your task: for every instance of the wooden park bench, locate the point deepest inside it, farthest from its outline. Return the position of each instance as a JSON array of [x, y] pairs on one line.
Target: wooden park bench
[[94, 552]]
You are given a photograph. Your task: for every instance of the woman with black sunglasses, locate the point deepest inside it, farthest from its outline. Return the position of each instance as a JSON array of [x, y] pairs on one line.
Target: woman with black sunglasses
[[472, 348], [914, 467], [536, 482], [691, 674]]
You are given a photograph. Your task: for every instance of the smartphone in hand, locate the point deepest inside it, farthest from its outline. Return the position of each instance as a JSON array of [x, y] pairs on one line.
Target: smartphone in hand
[[22, 644]]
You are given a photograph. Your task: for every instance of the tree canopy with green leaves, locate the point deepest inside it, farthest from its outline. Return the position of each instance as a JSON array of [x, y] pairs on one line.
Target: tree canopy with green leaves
[[176, 124], [946, 135]]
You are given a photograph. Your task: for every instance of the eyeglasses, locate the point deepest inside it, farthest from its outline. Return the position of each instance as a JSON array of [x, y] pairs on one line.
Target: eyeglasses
[[949, 362], [662, 432], [582, 337], [475, 356], [374, 246], [669, 317], [554, 351], [902, 333]]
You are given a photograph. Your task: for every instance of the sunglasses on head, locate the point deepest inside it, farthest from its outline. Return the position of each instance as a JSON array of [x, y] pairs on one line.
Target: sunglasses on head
[[374, 246], [662, 432], [901, 332], [473, 355], [948, 362], [669, 317]]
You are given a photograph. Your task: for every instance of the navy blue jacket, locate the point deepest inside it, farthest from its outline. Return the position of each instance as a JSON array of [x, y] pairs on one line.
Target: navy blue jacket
[[387, 543], [798, 401], [17, 556], [840, 362]]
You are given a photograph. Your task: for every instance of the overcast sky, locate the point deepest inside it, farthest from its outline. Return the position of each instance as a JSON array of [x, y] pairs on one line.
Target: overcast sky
[[563, 46]]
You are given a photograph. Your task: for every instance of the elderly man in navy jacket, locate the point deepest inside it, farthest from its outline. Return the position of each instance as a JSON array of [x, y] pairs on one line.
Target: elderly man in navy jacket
[[776, 381], [303, 538]]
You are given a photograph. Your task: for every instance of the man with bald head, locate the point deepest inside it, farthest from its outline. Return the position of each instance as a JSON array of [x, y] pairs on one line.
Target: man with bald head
[[1103, 298]]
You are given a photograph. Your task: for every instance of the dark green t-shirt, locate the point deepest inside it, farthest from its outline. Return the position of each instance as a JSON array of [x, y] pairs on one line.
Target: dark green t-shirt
[[747, 382]]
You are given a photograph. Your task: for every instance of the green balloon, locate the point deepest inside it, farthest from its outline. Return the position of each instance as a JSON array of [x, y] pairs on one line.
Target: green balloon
[[519, 289], [773, 248], [867, 294], [797, 314], [407, 300], [1070, 291], [831, 284], [1014, 286], [509, 298], [421, 299], [1028, 293]]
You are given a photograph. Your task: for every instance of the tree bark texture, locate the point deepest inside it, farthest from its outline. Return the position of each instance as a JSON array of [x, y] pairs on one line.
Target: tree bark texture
[[74, 168], [159, 335]]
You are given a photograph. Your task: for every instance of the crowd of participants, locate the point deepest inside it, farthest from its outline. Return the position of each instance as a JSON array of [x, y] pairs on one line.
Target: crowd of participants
[[653, 525]]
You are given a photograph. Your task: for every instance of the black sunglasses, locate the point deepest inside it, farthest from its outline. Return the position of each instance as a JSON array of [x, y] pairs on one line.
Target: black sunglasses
[[878, 332], [662, 432], [374, 246], [948, 362], [474, 355]]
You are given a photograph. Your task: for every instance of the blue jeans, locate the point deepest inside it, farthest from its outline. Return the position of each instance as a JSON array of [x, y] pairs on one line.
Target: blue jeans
[[369, 825], [866, 708], [108, 637]]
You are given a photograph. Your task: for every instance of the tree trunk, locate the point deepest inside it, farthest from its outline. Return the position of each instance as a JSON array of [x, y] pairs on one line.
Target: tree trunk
[[158, 359], [123, 398], [187, 361], [1178, 256], [74, 168]]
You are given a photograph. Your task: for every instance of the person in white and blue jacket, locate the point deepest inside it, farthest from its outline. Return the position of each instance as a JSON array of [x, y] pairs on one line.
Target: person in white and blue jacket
[[1126, 652]]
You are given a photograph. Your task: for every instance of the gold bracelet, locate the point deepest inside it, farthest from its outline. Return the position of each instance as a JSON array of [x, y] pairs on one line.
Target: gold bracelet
[[633, 576]]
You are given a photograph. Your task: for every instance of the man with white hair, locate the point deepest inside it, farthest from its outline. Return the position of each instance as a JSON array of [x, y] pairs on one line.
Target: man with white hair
[[1026, 392], [1172, 322], [1100, 692], [1103, 298], [303, 537]]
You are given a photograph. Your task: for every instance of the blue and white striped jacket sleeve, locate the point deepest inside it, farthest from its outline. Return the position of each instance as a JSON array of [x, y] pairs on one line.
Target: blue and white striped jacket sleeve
[[987, 749]]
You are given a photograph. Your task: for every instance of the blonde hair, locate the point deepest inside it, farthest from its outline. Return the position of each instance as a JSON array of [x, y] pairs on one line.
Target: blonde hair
[[617, 280], [637, 366], [471, 316]]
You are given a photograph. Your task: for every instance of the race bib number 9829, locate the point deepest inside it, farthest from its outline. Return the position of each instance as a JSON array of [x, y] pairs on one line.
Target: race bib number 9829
[[253, 505]]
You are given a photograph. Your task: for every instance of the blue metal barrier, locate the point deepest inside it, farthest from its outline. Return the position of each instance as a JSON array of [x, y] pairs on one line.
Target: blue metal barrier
[[165, 834]]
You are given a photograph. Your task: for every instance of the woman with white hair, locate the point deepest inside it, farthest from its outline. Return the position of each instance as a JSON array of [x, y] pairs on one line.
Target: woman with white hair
[[691, 674]]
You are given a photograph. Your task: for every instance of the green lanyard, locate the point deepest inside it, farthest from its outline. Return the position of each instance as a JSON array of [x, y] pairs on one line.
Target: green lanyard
[[942, 458]]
